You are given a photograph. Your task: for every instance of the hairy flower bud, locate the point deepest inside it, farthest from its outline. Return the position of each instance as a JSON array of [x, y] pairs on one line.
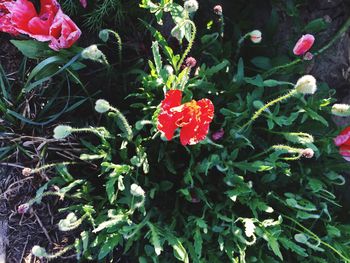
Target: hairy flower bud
[[190, 62], [255, 36], [218, 10], [136, 190], [66, 224], [191, 6], [306, 85], [92, 52], [342, 110], [62, 131], [27, 171], [23, 208], [102, 106], [39, 251], [308, 153]]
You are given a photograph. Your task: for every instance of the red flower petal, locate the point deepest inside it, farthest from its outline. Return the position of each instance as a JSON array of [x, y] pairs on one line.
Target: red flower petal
[[344, 150], [304, 44], [343, 138], [167, 119]]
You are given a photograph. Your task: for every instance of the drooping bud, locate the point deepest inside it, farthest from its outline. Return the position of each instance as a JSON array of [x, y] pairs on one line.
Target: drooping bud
[[23, 208], [190, 62], [62, 131], [342, 110], [66, 224], [102, 106], [39, 251], [191, 6], [27, 171], [218, 10], [306, 85], [136, 190], [308, 153], [255, 36], [93, 53]]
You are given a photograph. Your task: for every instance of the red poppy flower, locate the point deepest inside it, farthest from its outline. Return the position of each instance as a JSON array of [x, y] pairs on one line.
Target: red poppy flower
[[193, 118], [304, 44], [343, 141], [50, 24], [5, 21]]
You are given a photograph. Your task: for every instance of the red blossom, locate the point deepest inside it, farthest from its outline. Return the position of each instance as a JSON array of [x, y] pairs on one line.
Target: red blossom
[[304, 44], [50, 24], [343, 141], [193, 118]]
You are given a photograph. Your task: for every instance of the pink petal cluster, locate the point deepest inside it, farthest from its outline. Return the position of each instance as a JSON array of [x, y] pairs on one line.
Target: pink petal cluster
[[303, 45], [49, 25], [343, 142]]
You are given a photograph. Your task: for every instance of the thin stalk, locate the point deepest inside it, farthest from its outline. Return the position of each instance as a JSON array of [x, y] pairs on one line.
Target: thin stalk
[[190, 44]]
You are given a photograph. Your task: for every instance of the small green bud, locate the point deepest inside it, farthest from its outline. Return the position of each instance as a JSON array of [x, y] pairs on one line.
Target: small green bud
[[39, 252], [102, 106], [104, 35], [306, 85], [62, 131]]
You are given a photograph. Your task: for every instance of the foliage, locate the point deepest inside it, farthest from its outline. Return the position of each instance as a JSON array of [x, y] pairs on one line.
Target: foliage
[[250, 195]]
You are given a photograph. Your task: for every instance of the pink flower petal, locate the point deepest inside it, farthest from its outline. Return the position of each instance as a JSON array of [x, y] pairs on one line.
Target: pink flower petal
[[304, 44]]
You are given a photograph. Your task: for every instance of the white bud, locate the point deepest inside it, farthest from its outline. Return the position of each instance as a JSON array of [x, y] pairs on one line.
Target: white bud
[[255, 36], [169, 69], [342, 110], [66, 224], [191, 6], [39, 251], [306, 85], [92, 52], [249, 227], [62, 131], [136, 190], [102, 106]]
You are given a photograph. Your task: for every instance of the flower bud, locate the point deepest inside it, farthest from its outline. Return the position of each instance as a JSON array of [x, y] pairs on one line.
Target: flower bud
[[104, 35], [102, 106], [218, 135], [191, 6], [62, 131], [308, 56], [342, 110], [190, 62], [306, 85], [255, 36], [66, 224], [39, 251], [23, 208], [218, 10], [136, 190], [169, 69], [92, 52], [308, 153], [303, 45], [27, 171]]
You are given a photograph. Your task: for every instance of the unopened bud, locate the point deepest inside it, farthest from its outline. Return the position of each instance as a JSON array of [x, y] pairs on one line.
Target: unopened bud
[[27, 171], [191, 6], [102, 106], [23, 208], [190, 62], [342, 110], [136, 190], [218, 10], [255, 36], [39, 251], [308, 153], [62, 131], [306, 85]]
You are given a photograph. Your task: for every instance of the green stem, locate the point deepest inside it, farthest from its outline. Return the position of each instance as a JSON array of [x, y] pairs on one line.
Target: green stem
[[126, 128], [119, 40], [60, 253], [45, 167], [315, 237], [190, 44], [266, 106]]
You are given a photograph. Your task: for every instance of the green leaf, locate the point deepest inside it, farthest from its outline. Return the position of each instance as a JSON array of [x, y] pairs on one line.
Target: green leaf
[[275, 246], [288, 244], [198, 243], [274, 83], [32, 49], [316, 25], [110, 243], [155, 239], [262, 62]]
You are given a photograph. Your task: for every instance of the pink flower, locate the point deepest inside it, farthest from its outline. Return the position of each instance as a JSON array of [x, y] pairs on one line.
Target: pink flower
[[23, 208], [343, 141], [304, 44], [218, 134], [308, 56], [50, 24], [83, 3]]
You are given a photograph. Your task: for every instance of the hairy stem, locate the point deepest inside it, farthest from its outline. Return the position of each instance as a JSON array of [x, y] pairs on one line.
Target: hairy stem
[[190, 44]]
